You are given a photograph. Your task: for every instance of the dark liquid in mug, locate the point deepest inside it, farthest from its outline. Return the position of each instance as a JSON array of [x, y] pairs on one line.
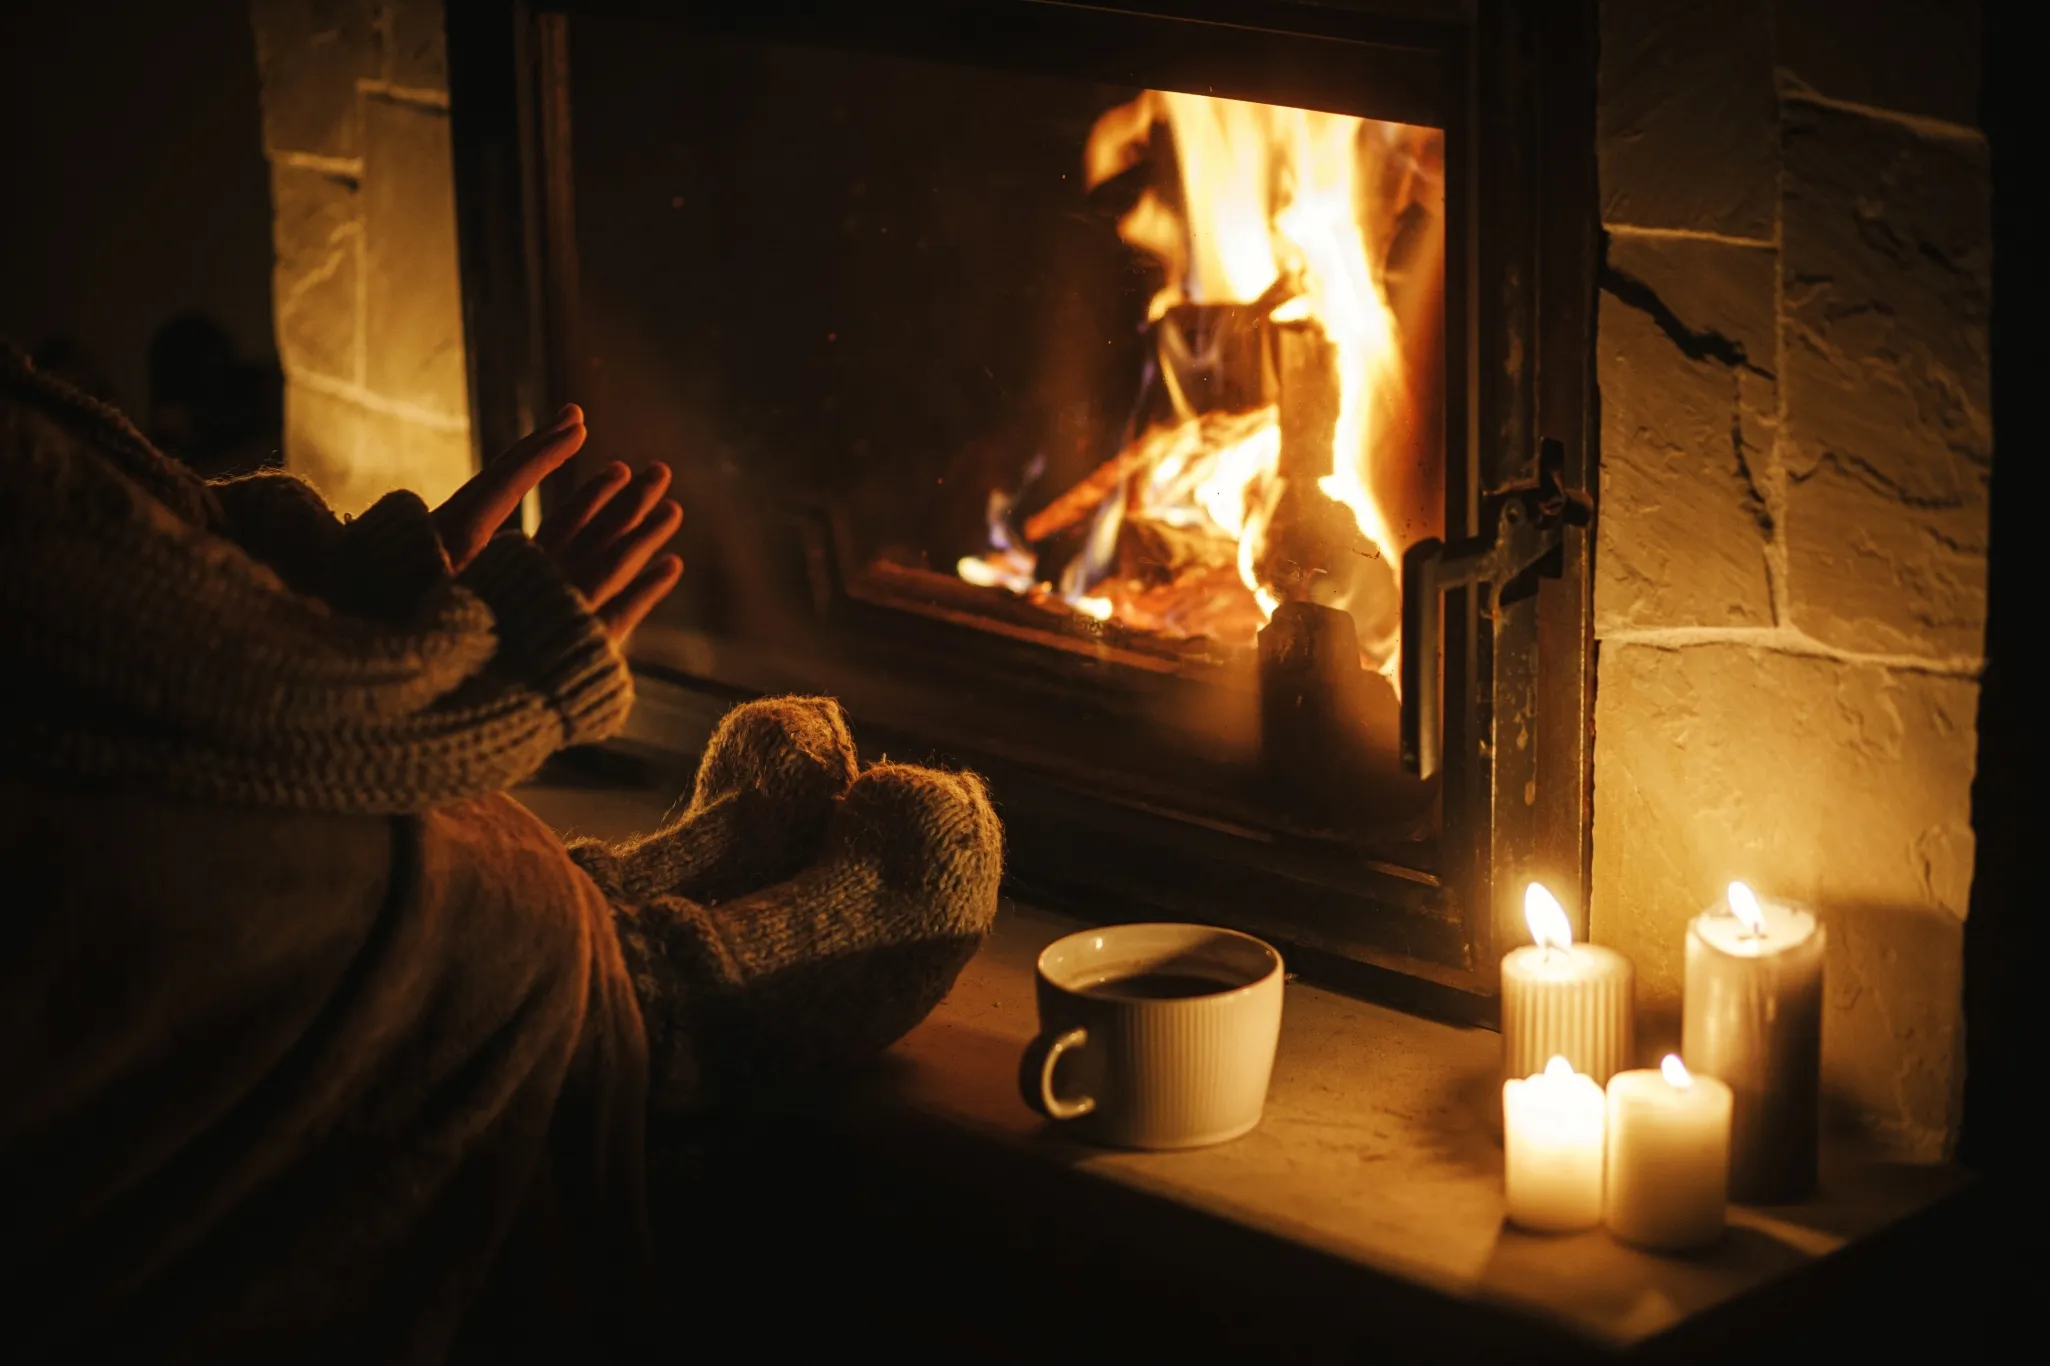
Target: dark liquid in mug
[[1160, 986]]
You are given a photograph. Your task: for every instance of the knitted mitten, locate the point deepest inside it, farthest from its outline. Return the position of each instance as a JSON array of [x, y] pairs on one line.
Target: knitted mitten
[[765, 789], [835, 963]]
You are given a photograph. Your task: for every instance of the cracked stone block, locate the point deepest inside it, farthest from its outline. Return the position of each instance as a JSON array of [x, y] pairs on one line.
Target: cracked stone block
[[1687, 118], [309, 56], [355, 454], [1843, 785], [415, 44], [412, 299], [1684, 356], [1913, 56], [313, 285], [1888, 440]]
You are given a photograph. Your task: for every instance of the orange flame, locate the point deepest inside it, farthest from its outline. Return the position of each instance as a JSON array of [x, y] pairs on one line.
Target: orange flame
[[1289, 209]]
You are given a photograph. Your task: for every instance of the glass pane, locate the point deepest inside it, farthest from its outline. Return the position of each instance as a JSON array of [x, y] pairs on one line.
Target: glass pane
[[1153, 358]]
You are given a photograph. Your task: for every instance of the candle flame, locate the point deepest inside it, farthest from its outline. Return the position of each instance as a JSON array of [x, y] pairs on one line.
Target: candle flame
[[1546, 918], [1676, 1071], [1744, 906], [1558, 1066]]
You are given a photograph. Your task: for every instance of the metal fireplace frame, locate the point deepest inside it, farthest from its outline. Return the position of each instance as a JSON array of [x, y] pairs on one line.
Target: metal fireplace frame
[[1503, 603]]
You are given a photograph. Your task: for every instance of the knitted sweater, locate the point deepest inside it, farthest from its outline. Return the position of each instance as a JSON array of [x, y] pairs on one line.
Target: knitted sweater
[[310, 1036], [238, 643]]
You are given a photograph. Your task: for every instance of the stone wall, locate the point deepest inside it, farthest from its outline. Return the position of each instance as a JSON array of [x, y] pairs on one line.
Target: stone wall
[[368, 306], [1796, 436]]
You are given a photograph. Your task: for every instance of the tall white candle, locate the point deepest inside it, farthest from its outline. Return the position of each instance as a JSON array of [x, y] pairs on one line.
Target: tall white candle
[[1753, 1018], [1559, 997], [1668, 1160], [1552, 1127]]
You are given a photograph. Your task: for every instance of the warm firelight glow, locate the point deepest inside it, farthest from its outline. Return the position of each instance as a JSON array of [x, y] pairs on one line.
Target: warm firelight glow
[[1284, 218], [1559, 1067], [1676, 1072], [1549, 927], [1744, 906]]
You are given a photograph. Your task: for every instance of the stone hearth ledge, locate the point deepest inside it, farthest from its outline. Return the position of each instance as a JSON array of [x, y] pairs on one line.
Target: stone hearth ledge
[[1378, 1157]]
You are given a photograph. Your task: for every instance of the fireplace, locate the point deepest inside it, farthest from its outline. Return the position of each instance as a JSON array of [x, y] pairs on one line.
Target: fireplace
[[1787, 574], [1179, 418]]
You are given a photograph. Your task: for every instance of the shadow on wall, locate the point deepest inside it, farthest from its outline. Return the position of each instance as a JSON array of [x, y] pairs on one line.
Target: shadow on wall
[[1892, 1040], [219, 412]]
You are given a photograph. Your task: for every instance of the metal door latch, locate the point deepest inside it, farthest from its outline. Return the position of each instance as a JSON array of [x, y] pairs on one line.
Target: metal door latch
[[1521, 540]]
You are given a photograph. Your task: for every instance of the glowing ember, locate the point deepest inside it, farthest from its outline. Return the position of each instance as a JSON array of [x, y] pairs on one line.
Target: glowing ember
[[1259, 488]]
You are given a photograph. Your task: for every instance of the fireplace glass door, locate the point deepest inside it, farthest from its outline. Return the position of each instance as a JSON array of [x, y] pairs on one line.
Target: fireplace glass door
[[1064, 391]]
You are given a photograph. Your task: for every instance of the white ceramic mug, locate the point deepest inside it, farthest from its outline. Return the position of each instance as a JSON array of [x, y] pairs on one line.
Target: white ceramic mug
[[1155, 1036]]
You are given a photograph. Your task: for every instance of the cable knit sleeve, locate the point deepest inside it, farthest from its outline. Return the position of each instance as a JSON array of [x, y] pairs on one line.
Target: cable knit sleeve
[[383, 563], [379, 564], [174, 636]]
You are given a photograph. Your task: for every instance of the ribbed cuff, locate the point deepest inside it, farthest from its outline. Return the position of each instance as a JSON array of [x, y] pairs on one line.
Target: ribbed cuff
[[549, 638], [391, 556]]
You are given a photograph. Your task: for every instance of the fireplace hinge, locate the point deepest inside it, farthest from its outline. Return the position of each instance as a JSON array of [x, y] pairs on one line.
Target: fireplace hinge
[[1521, 540]]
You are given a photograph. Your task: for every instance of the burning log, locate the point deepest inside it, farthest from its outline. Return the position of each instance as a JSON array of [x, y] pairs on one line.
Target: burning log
[[1214, 364], [1211, 431], [1081, 500], [1306, 398], [1215, 357], [1154, 553], [1313, 550], [1309, 534]]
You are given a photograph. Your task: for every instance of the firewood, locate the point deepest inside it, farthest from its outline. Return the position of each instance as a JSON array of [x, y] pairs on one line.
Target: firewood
[[1215, 361], [1081, 500], [1310, 535], [1306, 397], [1214, 357], [1154, 553]]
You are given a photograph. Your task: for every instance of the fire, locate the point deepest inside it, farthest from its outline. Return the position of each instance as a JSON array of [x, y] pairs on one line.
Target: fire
[[1549, 927], [1744, 905], [1273, 235]]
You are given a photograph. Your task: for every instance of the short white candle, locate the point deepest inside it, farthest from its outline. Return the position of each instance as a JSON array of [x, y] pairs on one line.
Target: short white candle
[[1552, 1144], [1752, 1018], [1668, 1157], [1559, 997]]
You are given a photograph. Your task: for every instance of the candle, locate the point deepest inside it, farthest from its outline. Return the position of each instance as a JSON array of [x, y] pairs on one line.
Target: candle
[[1668, 1157], [1552, 1144], [1559, 997], [1753, 1019]]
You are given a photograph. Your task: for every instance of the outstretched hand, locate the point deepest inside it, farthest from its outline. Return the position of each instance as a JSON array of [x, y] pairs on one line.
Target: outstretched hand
[[604, 539]]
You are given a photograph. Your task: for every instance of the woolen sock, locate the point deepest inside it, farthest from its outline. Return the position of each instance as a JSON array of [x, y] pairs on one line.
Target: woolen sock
[[765, 789], [833, 964]]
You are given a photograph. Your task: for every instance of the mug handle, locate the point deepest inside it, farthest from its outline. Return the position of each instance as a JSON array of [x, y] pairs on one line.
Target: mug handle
[[1035, 1075]]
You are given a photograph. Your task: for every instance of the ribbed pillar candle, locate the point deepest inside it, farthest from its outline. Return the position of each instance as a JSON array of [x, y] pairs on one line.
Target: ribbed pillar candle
[[1563, 999]]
